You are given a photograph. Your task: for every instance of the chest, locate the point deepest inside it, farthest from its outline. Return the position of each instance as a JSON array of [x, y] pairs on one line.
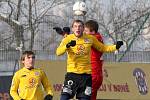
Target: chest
[[30, 78], [83, 46]]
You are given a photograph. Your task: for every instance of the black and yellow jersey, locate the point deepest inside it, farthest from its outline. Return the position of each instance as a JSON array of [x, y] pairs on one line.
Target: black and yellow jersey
[[79, 56], [27, 84]]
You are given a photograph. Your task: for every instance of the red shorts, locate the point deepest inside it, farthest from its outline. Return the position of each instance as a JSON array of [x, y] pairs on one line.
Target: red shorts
[[97, 78]]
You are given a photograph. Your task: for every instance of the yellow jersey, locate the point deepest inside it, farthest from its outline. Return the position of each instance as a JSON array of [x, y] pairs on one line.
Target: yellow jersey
[[27, 84], [79, 56]]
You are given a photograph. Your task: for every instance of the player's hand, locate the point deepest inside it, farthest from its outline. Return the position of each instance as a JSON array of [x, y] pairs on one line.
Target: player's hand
[[66, 30], [119, 44], [58, 30], [48, 97], [72, 43]]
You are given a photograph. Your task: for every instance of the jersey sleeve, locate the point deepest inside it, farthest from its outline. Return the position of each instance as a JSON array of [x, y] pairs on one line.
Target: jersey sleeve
[[62, 47], [14, 87], [46, 84], [102, 47]]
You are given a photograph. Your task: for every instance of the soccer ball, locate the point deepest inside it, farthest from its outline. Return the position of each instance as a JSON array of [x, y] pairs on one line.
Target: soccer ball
[[79, 8]]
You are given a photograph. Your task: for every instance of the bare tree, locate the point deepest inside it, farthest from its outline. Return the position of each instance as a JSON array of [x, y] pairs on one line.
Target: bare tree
[[118, 20], [121, 21], [18, 29], [32, 15]]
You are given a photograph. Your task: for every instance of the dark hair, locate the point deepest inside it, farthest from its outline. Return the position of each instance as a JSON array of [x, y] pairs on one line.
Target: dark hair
[[77, 21], [27, 53], [92, 25]]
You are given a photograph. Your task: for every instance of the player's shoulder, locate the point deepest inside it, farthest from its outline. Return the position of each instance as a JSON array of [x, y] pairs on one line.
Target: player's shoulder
[[89, 36], [38, 69], [66, 37], [69, 35], [19, 72]]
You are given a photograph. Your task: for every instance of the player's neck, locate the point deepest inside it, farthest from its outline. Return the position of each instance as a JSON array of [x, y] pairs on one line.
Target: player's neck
[[29, 68]]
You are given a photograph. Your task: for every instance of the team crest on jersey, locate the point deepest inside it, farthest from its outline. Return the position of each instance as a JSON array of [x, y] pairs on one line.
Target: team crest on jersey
[[140, 81], [86, 40], [32, 82]]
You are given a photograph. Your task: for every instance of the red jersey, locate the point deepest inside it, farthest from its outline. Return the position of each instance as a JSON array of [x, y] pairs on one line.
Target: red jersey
[[96, 57]]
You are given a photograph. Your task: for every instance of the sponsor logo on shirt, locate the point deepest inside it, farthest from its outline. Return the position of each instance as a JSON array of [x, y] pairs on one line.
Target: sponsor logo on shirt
[[32, 82], [86, 40], [37, 73]]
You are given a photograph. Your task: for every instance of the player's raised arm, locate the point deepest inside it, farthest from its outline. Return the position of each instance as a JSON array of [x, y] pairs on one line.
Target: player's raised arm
[[106, 48], [65, 44], [61, 49]]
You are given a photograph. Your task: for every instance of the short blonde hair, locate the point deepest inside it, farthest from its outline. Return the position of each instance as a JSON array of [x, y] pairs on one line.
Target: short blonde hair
[[77, 21]]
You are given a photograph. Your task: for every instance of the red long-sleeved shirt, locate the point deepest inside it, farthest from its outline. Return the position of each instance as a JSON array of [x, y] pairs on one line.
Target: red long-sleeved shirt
[[96, 57]]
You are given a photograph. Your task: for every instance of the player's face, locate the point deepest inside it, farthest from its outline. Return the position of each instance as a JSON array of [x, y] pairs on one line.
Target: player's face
[[78, 29], [29, 61], [87, 31]]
